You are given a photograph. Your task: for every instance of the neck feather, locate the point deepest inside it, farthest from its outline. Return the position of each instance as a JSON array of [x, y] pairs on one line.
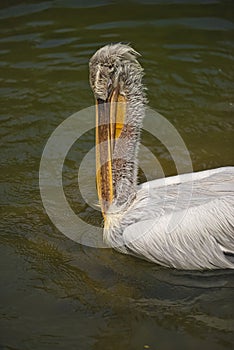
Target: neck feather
[[125, 166]]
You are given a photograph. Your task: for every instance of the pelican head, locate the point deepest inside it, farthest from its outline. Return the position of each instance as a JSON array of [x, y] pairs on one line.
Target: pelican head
[[112, 67], [115, 78]]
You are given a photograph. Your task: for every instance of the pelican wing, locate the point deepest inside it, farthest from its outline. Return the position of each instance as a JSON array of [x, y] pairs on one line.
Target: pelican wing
[[191, 223]]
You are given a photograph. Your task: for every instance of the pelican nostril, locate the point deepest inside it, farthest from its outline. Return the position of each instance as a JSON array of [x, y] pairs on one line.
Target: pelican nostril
[[109, 87]]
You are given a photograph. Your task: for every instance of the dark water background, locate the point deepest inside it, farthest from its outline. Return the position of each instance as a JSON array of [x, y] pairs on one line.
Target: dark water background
[[55, 293]]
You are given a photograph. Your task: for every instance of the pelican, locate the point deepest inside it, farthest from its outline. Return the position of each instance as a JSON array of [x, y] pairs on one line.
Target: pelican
[[148, 221]]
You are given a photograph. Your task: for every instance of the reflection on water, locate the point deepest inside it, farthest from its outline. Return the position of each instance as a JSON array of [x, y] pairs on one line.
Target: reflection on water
[[56, 293]]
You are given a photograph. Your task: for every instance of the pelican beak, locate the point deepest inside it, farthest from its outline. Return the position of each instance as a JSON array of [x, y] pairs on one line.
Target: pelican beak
[[110, 118]]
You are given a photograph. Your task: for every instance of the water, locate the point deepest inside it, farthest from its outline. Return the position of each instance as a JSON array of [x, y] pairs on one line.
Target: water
[[55, 293]]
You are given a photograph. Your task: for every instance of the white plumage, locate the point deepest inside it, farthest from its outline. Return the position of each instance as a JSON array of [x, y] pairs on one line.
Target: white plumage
[[184, 221]]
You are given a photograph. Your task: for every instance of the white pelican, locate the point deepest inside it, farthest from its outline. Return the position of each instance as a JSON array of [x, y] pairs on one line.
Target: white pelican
[[146, 221]]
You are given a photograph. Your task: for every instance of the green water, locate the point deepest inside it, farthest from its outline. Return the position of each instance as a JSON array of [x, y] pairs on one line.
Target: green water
[[55, 293]]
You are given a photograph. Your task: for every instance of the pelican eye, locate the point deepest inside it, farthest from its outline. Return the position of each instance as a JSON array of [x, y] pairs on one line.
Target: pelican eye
[[106, 65]]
